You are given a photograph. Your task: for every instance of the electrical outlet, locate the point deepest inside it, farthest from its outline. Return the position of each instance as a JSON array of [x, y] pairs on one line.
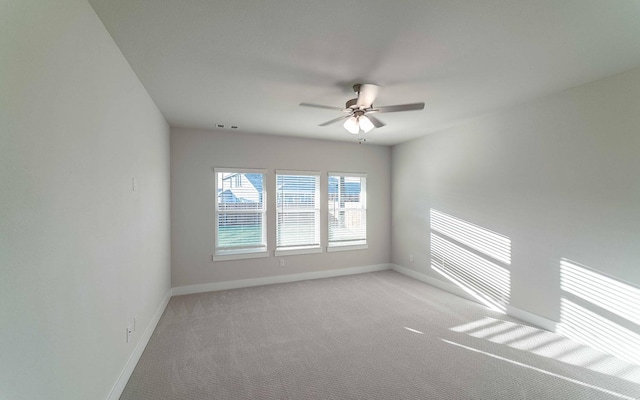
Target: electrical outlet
[[411, 259], [282, 262]]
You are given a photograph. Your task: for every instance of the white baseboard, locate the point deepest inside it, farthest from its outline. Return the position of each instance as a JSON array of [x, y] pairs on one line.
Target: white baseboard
[[215, 286], [533, 319], [530, 318], [118, 387]]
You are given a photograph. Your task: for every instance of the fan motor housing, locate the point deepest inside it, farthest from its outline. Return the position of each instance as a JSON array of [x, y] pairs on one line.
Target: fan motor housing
[[351, 103]]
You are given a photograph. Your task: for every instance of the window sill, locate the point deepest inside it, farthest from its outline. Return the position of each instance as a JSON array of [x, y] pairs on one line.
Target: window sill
[[348, 247], [240, 256], [297, 250]]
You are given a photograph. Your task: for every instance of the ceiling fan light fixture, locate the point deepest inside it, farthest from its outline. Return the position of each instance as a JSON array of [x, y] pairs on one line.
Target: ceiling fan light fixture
[[356, 108], [352, 126], [365, 124]]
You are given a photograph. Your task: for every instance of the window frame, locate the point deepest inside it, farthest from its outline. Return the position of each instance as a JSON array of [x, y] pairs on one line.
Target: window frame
[[359, 244], [240, 252], [303, 249]]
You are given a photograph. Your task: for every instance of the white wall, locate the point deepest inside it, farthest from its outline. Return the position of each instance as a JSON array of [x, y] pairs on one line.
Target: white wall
[[80, 253], [194, 154], [559, 176]]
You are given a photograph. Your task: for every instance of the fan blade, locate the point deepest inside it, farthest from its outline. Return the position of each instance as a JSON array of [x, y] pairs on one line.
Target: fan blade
[[367, 95], [321, 106], [375, 121], [400, 107], [333, 121]]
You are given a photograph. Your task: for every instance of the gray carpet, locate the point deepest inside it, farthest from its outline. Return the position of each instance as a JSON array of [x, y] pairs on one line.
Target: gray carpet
[[371, 336]]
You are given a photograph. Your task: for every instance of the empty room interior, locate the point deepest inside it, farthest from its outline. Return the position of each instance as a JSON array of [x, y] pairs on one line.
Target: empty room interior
[[426, 199]]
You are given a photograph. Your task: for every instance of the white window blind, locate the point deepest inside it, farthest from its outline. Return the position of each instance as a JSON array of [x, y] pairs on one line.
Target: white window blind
[[240, 211], [347, 209], [297, 210]]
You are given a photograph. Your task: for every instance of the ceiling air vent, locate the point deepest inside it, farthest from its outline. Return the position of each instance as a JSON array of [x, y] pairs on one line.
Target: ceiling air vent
[[223, 126]]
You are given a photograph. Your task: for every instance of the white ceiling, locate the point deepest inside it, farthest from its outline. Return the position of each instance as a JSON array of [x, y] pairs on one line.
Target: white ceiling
[[251, 62]]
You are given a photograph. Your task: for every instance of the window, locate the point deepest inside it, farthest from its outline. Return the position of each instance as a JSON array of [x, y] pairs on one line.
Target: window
[[297, 212], [240, 213], [347, 211]]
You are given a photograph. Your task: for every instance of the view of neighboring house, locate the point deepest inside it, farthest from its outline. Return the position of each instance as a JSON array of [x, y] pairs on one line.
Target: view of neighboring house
[[247, 188], [240, 209], [240, 188], [350, 189], [296, 191]]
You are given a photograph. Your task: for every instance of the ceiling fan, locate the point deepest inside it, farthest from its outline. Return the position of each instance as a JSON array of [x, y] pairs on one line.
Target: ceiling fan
[[359, 110]]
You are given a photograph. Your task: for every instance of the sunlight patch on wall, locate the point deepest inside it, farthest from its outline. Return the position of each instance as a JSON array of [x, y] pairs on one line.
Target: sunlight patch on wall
[[470, 256], [600, 311], [585, 326], [485, 241], [617, 297], [485, 281]]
